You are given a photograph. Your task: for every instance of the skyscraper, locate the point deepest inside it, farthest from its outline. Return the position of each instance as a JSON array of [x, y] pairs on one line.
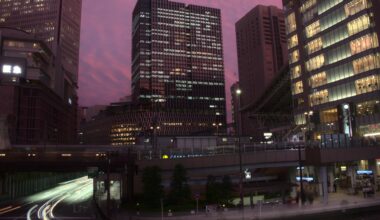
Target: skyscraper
[[334, 65], [261, 47], [57, 22], [177, 64]]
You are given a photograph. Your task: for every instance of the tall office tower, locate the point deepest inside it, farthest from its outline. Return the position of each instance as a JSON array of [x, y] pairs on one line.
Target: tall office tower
[[177, 65], [261, 47], [57, 22], [335, 66]]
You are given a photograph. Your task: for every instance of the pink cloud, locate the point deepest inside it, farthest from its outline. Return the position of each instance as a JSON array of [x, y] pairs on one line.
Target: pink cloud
[[105, 56]]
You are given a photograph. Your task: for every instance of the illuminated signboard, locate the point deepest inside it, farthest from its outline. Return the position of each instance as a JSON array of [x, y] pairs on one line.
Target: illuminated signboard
[[12, 68], [361, 172]]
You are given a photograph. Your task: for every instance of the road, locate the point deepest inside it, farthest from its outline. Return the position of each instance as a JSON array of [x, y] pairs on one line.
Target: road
[[68, 200]]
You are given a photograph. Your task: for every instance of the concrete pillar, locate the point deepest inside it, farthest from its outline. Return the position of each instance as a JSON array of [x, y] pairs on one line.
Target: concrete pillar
[[323, 180], [373, 166], [331, 178]]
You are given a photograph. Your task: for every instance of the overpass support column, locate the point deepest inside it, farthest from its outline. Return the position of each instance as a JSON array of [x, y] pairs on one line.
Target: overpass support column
[[324, 182], [331, 178], [372, 165]]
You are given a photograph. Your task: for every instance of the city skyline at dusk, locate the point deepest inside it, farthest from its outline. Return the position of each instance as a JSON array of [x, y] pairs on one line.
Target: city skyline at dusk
[[105, 53]]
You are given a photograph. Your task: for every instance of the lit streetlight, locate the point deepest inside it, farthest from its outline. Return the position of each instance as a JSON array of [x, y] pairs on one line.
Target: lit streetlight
[[238, 132]]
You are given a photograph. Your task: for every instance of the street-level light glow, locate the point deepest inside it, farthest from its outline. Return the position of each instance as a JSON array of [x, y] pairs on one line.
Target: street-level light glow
[[346, 106], [238, 91], [311, 113]]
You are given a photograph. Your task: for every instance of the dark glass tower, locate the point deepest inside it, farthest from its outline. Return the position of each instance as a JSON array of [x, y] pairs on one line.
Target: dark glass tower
[[177, 63], [57, 22]]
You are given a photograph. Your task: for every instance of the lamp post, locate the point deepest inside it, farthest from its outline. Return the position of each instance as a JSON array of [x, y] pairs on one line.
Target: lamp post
[[238, 131], [154, 140], [217, 125]]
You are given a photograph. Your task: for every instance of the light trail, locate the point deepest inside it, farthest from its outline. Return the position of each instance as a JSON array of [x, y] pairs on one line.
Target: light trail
[[10, 210], [8, 207], [30, 211]]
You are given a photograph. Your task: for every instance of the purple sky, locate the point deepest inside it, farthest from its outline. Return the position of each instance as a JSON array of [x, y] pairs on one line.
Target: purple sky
[[105, 55]]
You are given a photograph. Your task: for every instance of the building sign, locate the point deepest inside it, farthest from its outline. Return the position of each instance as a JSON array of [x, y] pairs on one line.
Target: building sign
[[12, 68]]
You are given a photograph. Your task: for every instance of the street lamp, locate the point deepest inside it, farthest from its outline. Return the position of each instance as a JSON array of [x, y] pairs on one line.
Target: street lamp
[[238, 93], [217, 125], [154, 139]]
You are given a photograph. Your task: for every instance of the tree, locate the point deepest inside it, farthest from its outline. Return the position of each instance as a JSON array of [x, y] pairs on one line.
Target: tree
[[227, 189], [152, 188], [180, 192], [219, 192]]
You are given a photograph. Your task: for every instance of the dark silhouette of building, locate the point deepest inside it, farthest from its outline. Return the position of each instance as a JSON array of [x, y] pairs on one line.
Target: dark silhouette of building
[[261, 46], [334, 66], [34, 112]]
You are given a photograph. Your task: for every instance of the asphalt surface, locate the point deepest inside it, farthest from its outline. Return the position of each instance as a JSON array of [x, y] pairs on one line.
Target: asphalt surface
[[370, 213], [68, 200]]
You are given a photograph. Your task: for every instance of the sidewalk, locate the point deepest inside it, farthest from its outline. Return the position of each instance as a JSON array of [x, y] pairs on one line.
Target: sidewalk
[[337, 202]]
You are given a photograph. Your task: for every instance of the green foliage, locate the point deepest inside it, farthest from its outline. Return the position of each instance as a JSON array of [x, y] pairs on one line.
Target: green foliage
[[152, 187], [180, 192], [218, 192]]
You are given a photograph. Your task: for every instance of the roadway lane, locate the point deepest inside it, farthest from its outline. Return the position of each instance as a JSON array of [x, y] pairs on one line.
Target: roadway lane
[[68, 200]]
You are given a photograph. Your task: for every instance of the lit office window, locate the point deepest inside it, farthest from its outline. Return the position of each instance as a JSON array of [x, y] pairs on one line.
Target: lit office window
[[329, 115], [300, 119], [335, 36], [292, 41], [318, 80], [367, 84], [319, 97], [294, 56], [342, 91], [307, 5], [325, 5], [314, 46], [359, 24], [313, 29], [366, 63], [290, 23], [297, 88], [355, 6], [364, 43], [368, 108], [295, 72], [338, 54], [315, 62]]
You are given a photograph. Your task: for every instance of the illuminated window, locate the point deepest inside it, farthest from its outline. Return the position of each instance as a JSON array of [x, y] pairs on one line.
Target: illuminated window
[[307, 5], [330, 115], [300, 119], [364, 43], [368, 84], [7, 68], [295, 72], [368, 108], [355, 6], [342, 91], [315, 62], [314, 46], [297, 88], [326, 5], [294, 56], [319, 97], [290, 22], [366, 63], [292, 41], [313, 29], [359, 24], [318, 80]]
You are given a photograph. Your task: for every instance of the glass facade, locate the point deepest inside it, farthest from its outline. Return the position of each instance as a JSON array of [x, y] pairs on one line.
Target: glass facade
[[341, 61], [177, 61]]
